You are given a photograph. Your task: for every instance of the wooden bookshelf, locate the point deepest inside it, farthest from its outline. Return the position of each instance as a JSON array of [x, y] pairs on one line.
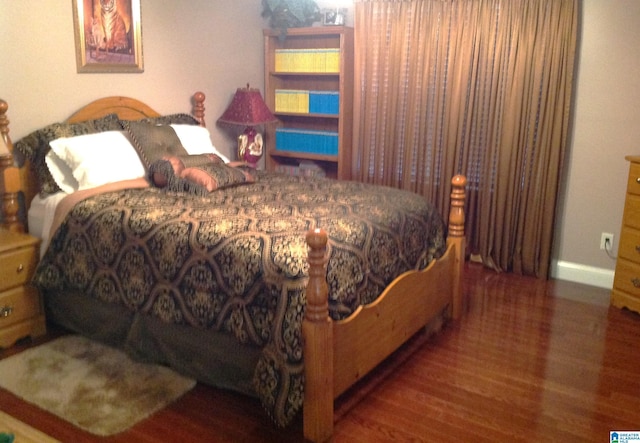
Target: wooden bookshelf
[[310, 75]]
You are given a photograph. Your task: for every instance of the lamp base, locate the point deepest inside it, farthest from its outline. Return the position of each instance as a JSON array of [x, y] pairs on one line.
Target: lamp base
[[250, 146]]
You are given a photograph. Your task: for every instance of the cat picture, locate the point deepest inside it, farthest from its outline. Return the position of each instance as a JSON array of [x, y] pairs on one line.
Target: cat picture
[[108, 36]]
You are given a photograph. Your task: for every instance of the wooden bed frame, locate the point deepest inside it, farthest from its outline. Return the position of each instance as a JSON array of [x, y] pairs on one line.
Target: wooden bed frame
[[333, 354]]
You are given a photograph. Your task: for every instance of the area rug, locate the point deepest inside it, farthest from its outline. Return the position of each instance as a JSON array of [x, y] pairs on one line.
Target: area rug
[[95, 387]]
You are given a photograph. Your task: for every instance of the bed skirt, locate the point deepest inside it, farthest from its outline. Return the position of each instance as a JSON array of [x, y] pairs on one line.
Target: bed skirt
[[211, 357]]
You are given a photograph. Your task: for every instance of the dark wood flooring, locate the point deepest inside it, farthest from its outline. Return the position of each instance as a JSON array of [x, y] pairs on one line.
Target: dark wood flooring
[[531, 361]]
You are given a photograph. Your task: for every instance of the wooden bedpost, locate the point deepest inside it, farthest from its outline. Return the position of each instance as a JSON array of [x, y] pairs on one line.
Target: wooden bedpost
[[10, 177], [456, 237], [198, 107], [317, 330]]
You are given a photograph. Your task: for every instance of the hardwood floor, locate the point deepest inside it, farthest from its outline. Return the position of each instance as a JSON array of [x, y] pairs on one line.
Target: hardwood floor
[[527, 363]]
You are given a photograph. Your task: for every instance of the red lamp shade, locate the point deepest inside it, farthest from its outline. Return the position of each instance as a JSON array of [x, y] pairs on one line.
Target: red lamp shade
[[247, 108]]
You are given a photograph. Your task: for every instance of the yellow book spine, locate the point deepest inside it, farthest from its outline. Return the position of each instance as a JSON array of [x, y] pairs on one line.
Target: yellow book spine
[[285, 60], [333, 60], [321, 65], [318, 61], [290, 106], [303, 102], [291, 61], [306, 60], [279, 60]]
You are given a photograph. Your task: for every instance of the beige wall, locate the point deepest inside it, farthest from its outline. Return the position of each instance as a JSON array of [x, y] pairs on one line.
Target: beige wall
[[606, 128], [216, 46], [188, 46]]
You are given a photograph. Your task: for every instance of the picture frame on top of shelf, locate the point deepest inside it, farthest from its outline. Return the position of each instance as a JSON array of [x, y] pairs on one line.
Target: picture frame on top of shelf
[[121, 49], [333, 16]]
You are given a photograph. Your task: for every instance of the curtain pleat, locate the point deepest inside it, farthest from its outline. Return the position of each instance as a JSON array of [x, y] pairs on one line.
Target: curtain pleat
[[479, 87]]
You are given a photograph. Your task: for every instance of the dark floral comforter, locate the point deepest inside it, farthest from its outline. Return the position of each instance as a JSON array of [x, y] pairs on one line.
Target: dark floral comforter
[[235, 260]]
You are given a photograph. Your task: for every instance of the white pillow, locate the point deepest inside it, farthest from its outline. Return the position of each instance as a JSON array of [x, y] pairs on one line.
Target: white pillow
[[196, 140], [98, 159], [61, 173]]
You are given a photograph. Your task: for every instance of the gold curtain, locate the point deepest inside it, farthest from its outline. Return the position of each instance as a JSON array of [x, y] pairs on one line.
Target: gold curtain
[[479, 87]]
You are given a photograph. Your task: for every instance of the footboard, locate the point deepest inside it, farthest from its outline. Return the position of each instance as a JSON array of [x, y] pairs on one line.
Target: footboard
[[337, 354]]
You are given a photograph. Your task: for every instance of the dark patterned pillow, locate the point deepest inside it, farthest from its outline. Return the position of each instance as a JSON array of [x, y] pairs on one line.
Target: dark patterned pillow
[[198, 174], [172, 119], [167, 171], [35, 146], [153, 142], [218, 176]]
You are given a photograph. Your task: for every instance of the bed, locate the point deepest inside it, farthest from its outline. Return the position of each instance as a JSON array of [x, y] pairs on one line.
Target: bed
[[286, 288]]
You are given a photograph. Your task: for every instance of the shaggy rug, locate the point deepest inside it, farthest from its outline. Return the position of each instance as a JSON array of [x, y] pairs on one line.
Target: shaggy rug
[[95, 387]]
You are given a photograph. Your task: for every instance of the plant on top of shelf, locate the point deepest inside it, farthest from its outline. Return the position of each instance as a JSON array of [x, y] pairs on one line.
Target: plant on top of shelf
[[284, 14]]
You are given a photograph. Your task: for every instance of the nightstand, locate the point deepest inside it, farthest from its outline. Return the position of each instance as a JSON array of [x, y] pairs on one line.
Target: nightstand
[[21, 307]]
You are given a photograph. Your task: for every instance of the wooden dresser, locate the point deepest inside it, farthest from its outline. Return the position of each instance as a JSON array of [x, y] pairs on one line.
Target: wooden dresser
[[626, 284], [21, 309]]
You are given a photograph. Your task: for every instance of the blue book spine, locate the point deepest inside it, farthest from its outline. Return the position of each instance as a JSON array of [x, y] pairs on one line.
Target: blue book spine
[[315, 105], [314, 142], [324, 102]]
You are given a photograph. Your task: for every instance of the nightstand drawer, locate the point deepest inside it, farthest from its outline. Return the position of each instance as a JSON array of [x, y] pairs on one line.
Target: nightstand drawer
[[627, 277], [633, 184], [629, 247], [17, 267], [631, 216], [18, 304]]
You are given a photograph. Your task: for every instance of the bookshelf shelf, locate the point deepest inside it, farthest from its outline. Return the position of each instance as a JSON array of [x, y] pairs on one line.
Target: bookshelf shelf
[[305, 115], [303, 74], [309, 88], [308, 156]]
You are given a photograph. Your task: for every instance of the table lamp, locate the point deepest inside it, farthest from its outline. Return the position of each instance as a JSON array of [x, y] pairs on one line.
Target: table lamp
[[247, 108]]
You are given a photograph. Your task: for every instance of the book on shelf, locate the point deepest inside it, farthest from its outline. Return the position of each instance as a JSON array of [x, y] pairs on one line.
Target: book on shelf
[[305, 168], [307, 141], [290, 100], [307, 102], [311, 168], [308, 60], [324, 102]]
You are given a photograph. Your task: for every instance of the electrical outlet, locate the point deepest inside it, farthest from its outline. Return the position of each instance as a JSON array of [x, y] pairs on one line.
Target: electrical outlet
[[606, 241]]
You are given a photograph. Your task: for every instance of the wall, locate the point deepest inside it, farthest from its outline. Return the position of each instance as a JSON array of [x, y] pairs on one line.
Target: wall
[[199, 45], [606, 128]]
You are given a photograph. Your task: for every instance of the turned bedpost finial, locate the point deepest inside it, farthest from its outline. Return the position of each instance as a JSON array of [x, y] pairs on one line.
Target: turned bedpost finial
[[456, 214], [317, 290], [317, 332], [198, 107], [4, 121], [9, 177], [6, 157], [456, 239]]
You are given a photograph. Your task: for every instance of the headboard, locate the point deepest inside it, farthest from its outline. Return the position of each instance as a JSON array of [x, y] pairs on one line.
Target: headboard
[[18, 183]]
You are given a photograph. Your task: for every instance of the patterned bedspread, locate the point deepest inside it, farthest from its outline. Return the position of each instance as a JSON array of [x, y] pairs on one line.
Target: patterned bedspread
[[235, 260]]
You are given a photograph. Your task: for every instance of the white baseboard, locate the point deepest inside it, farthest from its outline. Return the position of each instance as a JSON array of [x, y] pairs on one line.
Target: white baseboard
[[588, 275]]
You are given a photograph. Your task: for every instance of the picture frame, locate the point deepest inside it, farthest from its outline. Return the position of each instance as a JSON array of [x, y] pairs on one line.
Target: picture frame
[[333, 16], [108, 36]]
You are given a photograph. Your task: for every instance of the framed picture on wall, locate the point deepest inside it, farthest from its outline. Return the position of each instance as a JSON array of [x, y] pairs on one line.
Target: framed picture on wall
[[108, 35]]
